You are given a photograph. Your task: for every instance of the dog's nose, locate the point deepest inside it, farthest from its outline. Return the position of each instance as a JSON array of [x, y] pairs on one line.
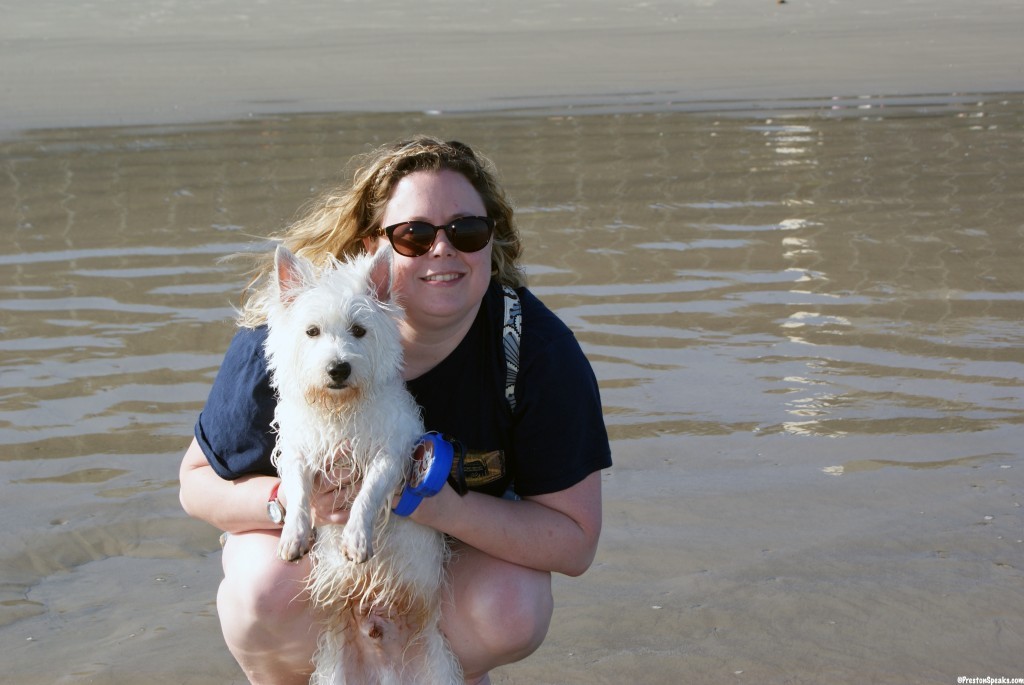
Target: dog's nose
[[339, 371]]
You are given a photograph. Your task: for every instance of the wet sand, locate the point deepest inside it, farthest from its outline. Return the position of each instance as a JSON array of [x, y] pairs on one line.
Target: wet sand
[[804, 312], [170, 61], [807, 334]]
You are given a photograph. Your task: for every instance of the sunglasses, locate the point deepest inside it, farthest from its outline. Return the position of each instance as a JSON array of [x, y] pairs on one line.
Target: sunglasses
[[415, 238]]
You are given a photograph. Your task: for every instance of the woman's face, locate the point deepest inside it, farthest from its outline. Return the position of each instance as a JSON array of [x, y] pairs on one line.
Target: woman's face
[[444, 286]]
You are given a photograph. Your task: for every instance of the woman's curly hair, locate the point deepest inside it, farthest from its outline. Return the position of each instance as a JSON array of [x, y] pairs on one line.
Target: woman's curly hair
[[337, 223]]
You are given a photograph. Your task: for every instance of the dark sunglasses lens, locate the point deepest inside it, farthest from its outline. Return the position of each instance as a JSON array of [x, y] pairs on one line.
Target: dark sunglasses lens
[[413, 239], [470, 234]]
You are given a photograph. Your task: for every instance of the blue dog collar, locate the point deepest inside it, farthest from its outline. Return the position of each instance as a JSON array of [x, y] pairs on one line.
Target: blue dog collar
[[430, 469]]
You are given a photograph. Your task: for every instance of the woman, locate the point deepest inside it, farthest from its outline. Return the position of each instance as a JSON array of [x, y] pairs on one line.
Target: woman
[[448, 273]]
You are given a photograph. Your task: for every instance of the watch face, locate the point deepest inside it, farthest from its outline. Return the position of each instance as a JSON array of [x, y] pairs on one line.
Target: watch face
[[275, 512], [422, 458]]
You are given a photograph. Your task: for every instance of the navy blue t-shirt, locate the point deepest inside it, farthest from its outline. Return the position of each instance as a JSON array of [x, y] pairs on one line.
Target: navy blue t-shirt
[[555, 438]]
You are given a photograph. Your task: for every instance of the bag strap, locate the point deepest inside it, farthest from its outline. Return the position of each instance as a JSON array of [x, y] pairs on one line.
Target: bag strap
[[511, 334]]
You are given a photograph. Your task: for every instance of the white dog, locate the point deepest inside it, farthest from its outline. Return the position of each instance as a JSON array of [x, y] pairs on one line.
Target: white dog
[[335, 357]]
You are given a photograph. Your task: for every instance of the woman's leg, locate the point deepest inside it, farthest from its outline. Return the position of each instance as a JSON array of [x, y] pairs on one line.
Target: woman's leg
[[498, 612], [264, 611]]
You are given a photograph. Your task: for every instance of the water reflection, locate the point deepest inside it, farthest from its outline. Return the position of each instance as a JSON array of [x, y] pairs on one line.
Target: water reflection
[[838, 277], [864, 465], [794, 239]]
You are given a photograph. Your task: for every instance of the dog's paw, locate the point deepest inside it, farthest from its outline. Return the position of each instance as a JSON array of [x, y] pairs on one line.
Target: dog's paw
[[293, 549], [296, 542], [356, 545]]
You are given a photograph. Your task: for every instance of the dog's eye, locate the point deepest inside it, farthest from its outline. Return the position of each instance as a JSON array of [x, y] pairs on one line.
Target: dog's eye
[[358, 331], [313, 331]]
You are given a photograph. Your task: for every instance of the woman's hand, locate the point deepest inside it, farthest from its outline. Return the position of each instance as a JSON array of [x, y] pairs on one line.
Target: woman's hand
[[331, 498]]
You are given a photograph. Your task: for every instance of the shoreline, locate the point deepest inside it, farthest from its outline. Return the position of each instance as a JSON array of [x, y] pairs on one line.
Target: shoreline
[[834, 106], [184, 62]]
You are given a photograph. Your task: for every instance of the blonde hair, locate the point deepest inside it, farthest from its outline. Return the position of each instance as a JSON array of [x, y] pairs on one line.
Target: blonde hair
[[337, 223]]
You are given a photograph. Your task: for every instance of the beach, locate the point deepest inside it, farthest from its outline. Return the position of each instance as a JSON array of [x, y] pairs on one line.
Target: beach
[[787, 235], [174, 61]]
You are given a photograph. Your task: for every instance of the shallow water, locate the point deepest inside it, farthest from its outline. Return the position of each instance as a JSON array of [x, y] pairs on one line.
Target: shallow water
[[806, 322]]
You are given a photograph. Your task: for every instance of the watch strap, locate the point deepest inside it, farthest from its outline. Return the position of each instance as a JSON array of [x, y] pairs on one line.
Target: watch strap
[[431, 467]]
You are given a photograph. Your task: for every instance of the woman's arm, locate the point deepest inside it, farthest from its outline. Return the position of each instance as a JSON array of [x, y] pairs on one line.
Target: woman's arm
[[240, 505], [231, 505], [556, 532]]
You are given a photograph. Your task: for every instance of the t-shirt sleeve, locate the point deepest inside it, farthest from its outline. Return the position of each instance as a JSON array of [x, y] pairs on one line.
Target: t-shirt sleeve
[[234, 429], [560, 436]]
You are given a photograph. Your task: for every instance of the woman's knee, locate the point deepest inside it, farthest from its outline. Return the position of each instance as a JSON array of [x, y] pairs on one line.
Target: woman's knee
[[510, 609], [264, 611], [257, 585], [524, 611]]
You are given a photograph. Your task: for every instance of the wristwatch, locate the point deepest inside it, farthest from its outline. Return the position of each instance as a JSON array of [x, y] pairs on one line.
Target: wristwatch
[[275, 510]]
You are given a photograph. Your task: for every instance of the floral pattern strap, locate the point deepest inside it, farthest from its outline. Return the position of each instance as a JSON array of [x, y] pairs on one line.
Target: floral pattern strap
[[511, 334]]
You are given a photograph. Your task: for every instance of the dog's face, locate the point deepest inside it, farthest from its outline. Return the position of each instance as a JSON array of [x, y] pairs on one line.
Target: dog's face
[[333, 336]]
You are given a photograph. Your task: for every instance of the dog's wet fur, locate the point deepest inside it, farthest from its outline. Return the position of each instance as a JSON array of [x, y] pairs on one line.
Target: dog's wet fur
[[335, 356]]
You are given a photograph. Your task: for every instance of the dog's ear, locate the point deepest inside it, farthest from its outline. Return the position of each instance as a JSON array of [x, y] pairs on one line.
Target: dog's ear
[[379, 276], [292, 274]]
